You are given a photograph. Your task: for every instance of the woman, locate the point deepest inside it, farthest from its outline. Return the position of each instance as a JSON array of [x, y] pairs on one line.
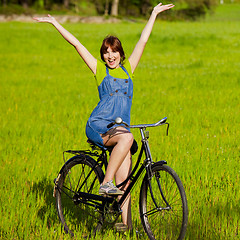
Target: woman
[[115, 92]]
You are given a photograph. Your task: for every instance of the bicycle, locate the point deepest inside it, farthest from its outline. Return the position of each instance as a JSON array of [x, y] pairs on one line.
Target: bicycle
[[162, 203]]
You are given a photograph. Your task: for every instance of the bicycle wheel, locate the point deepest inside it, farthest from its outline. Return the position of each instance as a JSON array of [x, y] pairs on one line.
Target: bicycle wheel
[[80, 173], [163, 219]]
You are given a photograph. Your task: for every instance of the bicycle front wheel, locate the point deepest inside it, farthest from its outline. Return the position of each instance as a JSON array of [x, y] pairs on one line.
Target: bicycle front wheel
[[163, 204], [79, 174]]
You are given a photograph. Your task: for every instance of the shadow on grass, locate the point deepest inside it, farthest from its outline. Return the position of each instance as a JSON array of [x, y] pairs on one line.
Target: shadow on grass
[[44, 189], [47, 212], [211, 226], [79, 218], [3, 233]]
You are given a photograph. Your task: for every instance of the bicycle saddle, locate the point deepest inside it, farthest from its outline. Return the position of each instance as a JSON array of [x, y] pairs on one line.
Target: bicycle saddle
[[133, 149]]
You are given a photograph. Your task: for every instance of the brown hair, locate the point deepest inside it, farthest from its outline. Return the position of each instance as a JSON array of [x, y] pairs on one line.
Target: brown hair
[[115, 44]]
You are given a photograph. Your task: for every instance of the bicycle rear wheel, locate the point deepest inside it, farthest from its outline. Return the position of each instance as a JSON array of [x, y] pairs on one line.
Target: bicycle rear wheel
[[163, 219], [80, 173]]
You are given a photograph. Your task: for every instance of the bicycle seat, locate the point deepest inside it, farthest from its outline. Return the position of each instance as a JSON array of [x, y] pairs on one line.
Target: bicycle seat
[[93, 145]]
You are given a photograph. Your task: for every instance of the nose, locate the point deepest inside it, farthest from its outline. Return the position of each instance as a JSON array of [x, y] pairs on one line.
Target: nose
[[110, 54]]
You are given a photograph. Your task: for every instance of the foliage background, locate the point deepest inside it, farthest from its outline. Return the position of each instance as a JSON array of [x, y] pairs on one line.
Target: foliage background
[[184, 9]]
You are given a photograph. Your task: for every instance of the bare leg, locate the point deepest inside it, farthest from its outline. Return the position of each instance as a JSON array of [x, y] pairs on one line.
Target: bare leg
[[122, 173], [122, 141], [120, 164]]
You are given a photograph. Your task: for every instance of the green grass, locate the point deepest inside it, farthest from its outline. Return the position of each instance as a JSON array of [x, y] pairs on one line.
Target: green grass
[[189, 72]]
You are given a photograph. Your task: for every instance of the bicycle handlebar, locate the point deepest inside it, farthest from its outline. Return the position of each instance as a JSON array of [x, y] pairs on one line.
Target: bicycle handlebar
[[161, 122], [119, 121]]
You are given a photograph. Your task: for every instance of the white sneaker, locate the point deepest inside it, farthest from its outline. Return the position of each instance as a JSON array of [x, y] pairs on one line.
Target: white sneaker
[[109, 189]]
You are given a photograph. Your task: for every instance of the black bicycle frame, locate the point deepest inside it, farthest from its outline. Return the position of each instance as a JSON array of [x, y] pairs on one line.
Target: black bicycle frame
[[147, 164], [90, 199]]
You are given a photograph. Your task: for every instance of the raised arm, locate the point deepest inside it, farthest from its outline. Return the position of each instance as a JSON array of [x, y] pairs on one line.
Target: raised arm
[[83, 52], [138, 50]]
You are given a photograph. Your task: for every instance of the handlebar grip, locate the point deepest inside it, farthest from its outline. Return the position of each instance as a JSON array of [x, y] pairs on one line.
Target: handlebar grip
[[110, 125]]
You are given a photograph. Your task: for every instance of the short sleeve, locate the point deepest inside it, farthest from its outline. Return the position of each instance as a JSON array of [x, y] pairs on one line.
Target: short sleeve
[[101, 72], [117, 72], [128, 68]]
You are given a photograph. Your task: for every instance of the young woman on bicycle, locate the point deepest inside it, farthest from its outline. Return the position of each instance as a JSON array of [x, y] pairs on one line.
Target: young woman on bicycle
[[115, 91]]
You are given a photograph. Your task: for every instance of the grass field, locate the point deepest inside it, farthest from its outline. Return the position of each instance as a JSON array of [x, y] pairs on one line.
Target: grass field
[[189, 72]]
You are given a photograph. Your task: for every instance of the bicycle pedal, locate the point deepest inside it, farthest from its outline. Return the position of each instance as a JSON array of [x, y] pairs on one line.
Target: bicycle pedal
[[108, 196], [120, 227], [103, 195]]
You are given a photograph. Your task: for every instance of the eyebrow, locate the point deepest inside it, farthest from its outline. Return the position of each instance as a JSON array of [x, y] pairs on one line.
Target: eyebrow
[[113, 50]]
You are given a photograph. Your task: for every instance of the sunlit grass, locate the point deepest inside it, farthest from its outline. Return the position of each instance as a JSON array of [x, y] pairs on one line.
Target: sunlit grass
[[189, 72]]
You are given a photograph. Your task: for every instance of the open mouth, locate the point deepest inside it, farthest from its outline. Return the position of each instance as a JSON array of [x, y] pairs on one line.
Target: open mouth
[[111, 61]]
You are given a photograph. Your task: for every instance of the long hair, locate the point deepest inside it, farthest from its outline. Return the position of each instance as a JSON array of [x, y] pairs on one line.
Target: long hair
[[115, 44]]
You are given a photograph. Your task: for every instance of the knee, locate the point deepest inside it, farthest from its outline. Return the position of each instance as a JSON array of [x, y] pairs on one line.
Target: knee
[[124, 137], [128, 139]]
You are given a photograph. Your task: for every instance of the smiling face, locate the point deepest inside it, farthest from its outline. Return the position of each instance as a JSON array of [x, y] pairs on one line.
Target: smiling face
[[112, 58], [112, 52]]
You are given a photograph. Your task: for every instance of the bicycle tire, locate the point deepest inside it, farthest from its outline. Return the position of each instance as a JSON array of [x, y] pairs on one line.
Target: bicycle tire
[[163, 222], [80, 173]]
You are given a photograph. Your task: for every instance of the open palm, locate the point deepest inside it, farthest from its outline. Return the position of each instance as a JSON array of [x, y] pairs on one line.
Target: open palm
[[161, 8], [48, 19]]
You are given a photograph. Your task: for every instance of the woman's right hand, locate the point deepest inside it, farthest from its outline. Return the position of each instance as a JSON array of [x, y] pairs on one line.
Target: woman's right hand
[[48, 19], [83, 52]]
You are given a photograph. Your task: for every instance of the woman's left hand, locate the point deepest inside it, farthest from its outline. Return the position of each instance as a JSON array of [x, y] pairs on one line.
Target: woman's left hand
[[161, 8]]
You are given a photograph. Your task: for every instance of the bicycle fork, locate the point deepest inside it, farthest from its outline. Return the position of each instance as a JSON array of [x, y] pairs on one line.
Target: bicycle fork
[[150, 175], [157, 177]]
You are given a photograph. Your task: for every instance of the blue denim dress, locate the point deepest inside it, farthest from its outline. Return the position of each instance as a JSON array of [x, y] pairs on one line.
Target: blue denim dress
[[115, 101]]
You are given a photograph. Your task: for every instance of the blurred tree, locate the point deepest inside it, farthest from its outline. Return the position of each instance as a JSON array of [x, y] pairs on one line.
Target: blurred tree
[[195, 8], [4, 2], [66, 3], [101, 6], [106, 8], [184, 8], [114, 9]]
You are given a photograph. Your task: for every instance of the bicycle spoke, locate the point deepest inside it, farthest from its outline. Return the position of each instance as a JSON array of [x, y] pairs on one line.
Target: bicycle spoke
[[75, 212], [169, 213], [79, 180]]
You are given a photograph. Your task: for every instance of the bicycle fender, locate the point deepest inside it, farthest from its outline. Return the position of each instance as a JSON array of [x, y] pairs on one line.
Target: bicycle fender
[[55, 184], [60, 173], [162, 162]]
